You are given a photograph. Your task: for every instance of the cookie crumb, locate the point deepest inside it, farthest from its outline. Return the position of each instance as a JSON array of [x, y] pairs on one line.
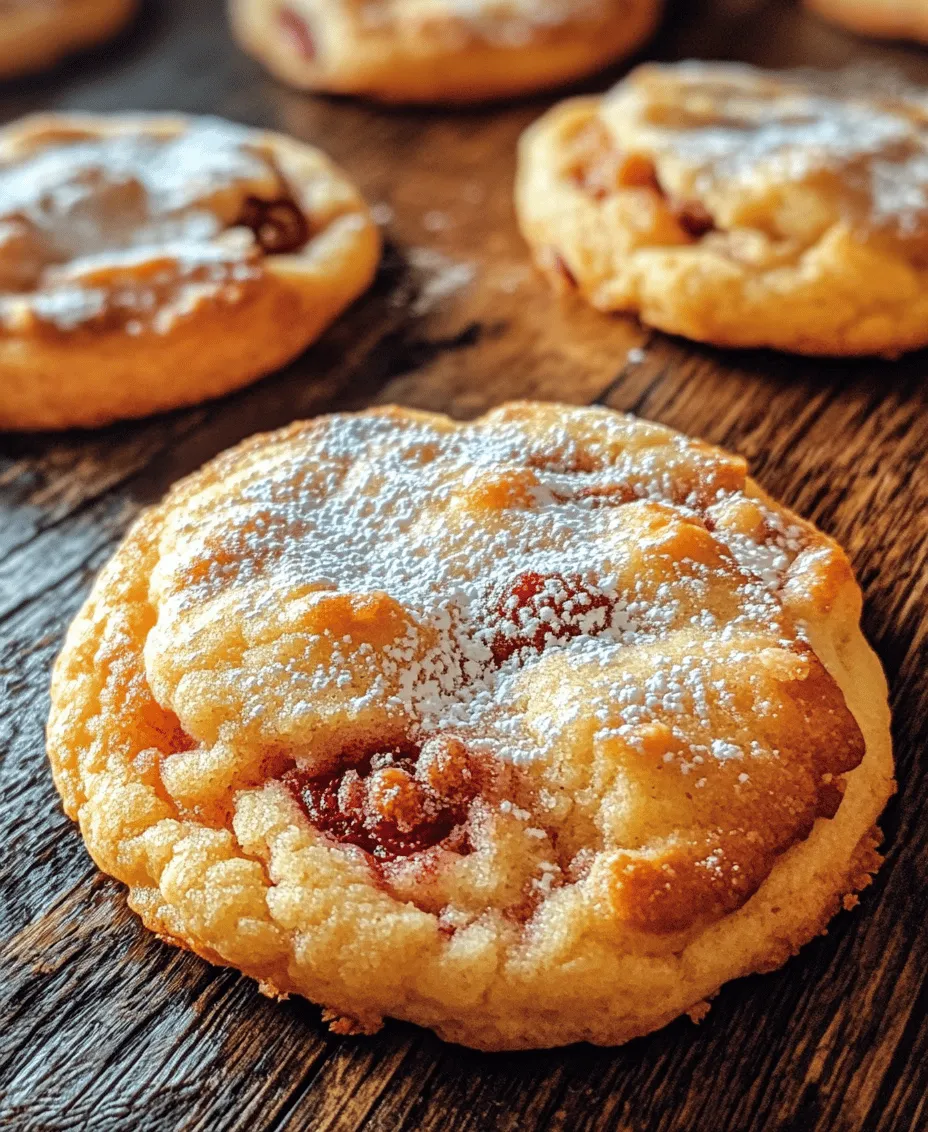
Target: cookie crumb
[[698, 1011]]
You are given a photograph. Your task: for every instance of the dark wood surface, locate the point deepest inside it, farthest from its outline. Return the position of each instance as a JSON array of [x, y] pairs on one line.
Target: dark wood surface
[[101, 1026]]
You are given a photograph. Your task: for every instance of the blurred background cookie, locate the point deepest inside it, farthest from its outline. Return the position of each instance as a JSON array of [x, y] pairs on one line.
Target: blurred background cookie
[[884, 19], [151, 262], [37, 33], [738, 207], [439, 50]]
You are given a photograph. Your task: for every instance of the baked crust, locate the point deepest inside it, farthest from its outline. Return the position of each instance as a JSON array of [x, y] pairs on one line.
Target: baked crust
[[585, 727], [439, 50], [35, 34], [884, 19], [142, 291], [737, 207]]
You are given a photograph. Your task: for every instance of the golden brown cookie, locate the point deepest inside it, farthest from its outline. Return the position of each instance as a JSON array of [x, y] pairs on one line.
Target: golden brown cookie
[[150, 262], [737, 207], [530, 730], [439, 50], [884, 19], [37, 33]]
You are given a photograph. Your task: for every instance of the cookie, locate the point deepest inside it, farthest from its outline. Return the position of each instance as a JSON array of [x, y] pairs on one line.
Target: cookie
[[885, 19], [531, 730], [439, 50], [149, 262], [737, 207], [38, 33]]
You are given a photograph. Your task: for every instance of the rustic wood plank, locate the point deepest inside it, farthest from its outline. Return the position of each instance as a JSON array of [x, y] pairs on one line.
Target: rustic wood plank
[[105, 1028]]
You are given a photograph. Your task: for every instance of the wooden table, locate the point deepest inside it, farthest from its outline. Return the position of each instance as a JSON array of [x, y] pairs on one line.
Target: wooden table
[[103, 1027]]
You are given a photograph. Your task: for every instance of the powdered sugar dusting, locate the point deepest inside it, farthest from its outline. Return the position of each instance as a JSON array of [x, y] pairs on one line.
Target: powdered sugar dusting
[[97, 214], [733, 129], [496, 551], [511, 23]]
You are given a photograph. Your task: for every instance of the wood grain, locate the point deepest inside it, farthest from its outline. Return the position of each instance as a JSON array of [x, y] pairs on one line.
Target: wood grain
[[105, 1028]]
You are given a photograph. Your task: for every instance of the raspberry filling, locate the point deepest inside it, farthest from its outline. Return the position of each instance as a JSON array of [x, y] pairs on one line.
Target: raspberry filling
[[279, 225], [537, 608], [694, 218], [600, 169], [395, 802], [562, 271], [296, 30]]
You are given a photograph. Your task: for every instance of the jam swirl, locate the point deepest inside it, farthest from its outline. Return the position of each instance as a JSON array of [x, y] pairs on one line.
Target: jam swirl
[[395, 802]]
